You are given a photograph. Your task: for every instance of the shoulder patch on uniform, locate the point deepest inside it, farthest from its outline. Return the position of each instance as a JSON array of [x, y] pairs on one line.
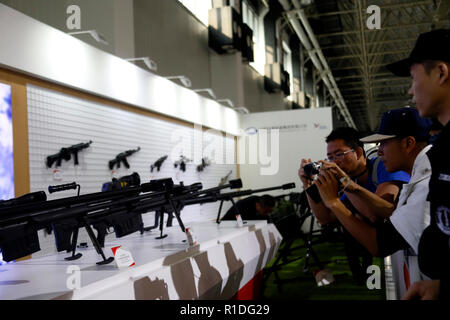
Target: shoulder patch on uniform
[[443, 219], [444, 177]]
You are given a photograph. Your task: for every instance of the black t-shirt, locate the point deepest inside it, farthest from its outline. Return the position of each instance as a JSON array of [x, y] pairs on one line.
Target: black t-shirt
[[434, 246], [247, 209]]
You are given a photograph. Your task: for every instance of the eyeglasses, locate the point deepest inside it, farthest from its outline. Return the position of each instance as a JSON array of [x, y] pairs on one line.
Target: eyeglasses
[[339, 155]]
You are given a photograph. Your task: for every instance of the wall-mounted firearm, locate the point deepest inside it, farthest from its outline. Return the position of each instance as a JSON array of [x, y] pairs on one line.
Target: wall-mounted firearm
[[122, 157], [66, 154], [224, 180], [158, 163], [205, 163], [182, 163]]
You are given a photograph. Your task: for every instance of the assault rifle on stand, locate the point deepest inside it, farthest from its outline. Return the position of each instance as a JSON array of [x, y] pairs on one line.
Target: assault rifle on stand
[[20, 222], [120, 209]]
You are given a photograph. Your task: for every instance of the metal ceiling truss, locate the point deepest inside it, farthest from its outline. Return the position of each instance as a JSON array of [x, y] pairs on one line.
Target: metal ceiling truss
[[345, 51]]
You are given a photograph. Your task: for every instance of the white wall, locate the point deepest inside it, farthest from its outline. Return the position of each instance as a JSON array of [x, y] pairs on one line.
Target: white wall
[[302, 134], [34, 48], [56, 120]]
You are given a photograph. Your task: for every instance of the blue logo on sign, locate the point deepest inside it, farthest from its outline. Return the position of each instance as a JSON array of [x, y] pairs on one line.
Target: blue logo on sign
[[251, 131]]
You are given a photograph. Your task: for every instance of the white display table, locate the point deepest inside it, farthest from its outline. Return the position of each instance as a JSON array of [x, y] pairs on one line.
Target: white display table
[[225, 260]]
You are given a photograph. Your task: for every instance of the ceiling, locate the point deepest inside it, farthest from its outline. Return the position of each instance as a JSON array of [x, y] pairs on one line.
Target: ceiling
[[357, 55]]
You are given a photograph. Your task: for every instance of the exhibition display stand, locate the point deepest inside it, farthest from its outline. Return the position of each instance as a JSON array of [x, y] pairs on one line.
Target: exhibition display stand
[[225, 261]]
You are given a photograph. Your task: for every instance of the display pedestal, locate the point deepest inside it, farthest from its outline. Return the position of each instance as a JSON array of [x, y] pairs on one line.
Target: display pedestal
[[226, 264]]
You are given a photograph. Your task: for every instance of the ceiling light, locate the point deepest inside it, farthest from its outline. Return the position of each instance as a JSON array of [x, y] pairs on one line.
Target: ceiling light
[[94, 34], [228, 101], [208, 90], [147, 61], [184, 80]]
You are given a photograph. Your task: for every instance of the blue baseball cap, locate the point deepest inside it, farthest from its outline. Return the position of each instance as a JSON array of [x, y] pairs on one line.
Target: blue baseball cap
[[400, 123]]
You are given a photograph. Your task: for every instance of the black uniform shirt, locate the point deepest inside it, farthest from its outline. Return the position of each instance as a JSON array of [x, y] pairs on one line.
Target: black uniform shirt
[[434, 246]]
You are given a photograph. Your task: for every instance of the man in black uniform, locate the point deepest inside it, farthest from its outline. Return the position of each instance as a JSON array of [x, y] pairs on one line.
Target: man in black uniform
[[429, 67], [252, 208]]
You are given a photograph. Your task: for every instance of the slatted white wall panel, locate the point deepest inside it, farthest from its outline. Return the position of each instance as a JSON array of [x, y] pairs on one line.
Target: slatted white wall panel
[[57, 120]]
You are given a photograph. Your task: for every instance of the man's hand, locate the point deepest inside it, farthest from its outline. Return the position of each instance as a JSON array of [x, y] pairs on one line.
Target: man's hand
[[333, 168], [423, 290], [328, 187], [306, 180], [347, 182]]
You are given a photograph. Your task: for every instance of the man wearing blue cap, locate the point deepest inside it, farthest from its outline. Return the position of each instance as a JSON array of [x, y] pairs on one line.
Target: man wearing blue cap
[[429, 67], [403, 137]]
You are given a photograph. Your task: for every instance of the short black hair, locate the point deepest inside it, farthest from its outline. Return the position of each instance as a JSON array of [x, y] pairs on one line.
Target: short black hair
[[350, 136], [267, 201], [431, 64]]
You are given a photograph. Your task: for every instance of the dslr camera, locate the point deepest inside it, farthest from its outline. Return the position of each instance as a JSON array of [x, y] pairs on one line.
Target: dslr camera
[[312, 168]]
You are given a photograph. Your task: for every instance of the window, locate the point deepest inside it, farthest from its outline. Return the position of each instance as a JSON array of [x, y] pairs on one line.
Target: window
[[199, 8], [287, 64], [251, 18]]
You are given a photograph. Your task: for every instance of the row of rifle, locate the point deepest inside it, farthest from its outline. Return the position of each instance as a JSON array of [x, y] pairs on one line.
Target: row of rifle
[[67, 153], [118, 207]]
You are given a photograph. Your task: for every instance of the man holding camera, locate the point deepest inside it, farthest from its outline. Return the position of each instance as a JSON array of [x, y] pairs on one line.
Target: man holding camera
[[373, 192], [429, 67], [403, 137]]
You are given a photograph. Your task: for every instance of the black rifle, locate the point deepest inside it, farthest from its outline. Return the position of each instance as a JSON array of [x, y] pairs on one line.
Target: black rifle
[[178, 203], [158, 163], [162, 200], [34, 198], [122, 157], [213, 197], [205, 163], [182, 163], [120, 209], [20, 223], [66, 154]]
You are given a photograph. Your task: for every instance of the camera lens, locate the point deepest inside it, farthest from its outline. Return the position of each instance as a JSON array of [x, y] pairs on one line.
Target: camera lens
[[312, 169]]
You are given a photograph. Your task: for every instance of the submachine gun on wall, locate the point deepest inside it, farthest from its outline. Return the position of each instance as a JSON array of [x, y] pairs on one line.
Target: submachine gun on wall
[[122, 158], [66, 154], [158, 163]]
